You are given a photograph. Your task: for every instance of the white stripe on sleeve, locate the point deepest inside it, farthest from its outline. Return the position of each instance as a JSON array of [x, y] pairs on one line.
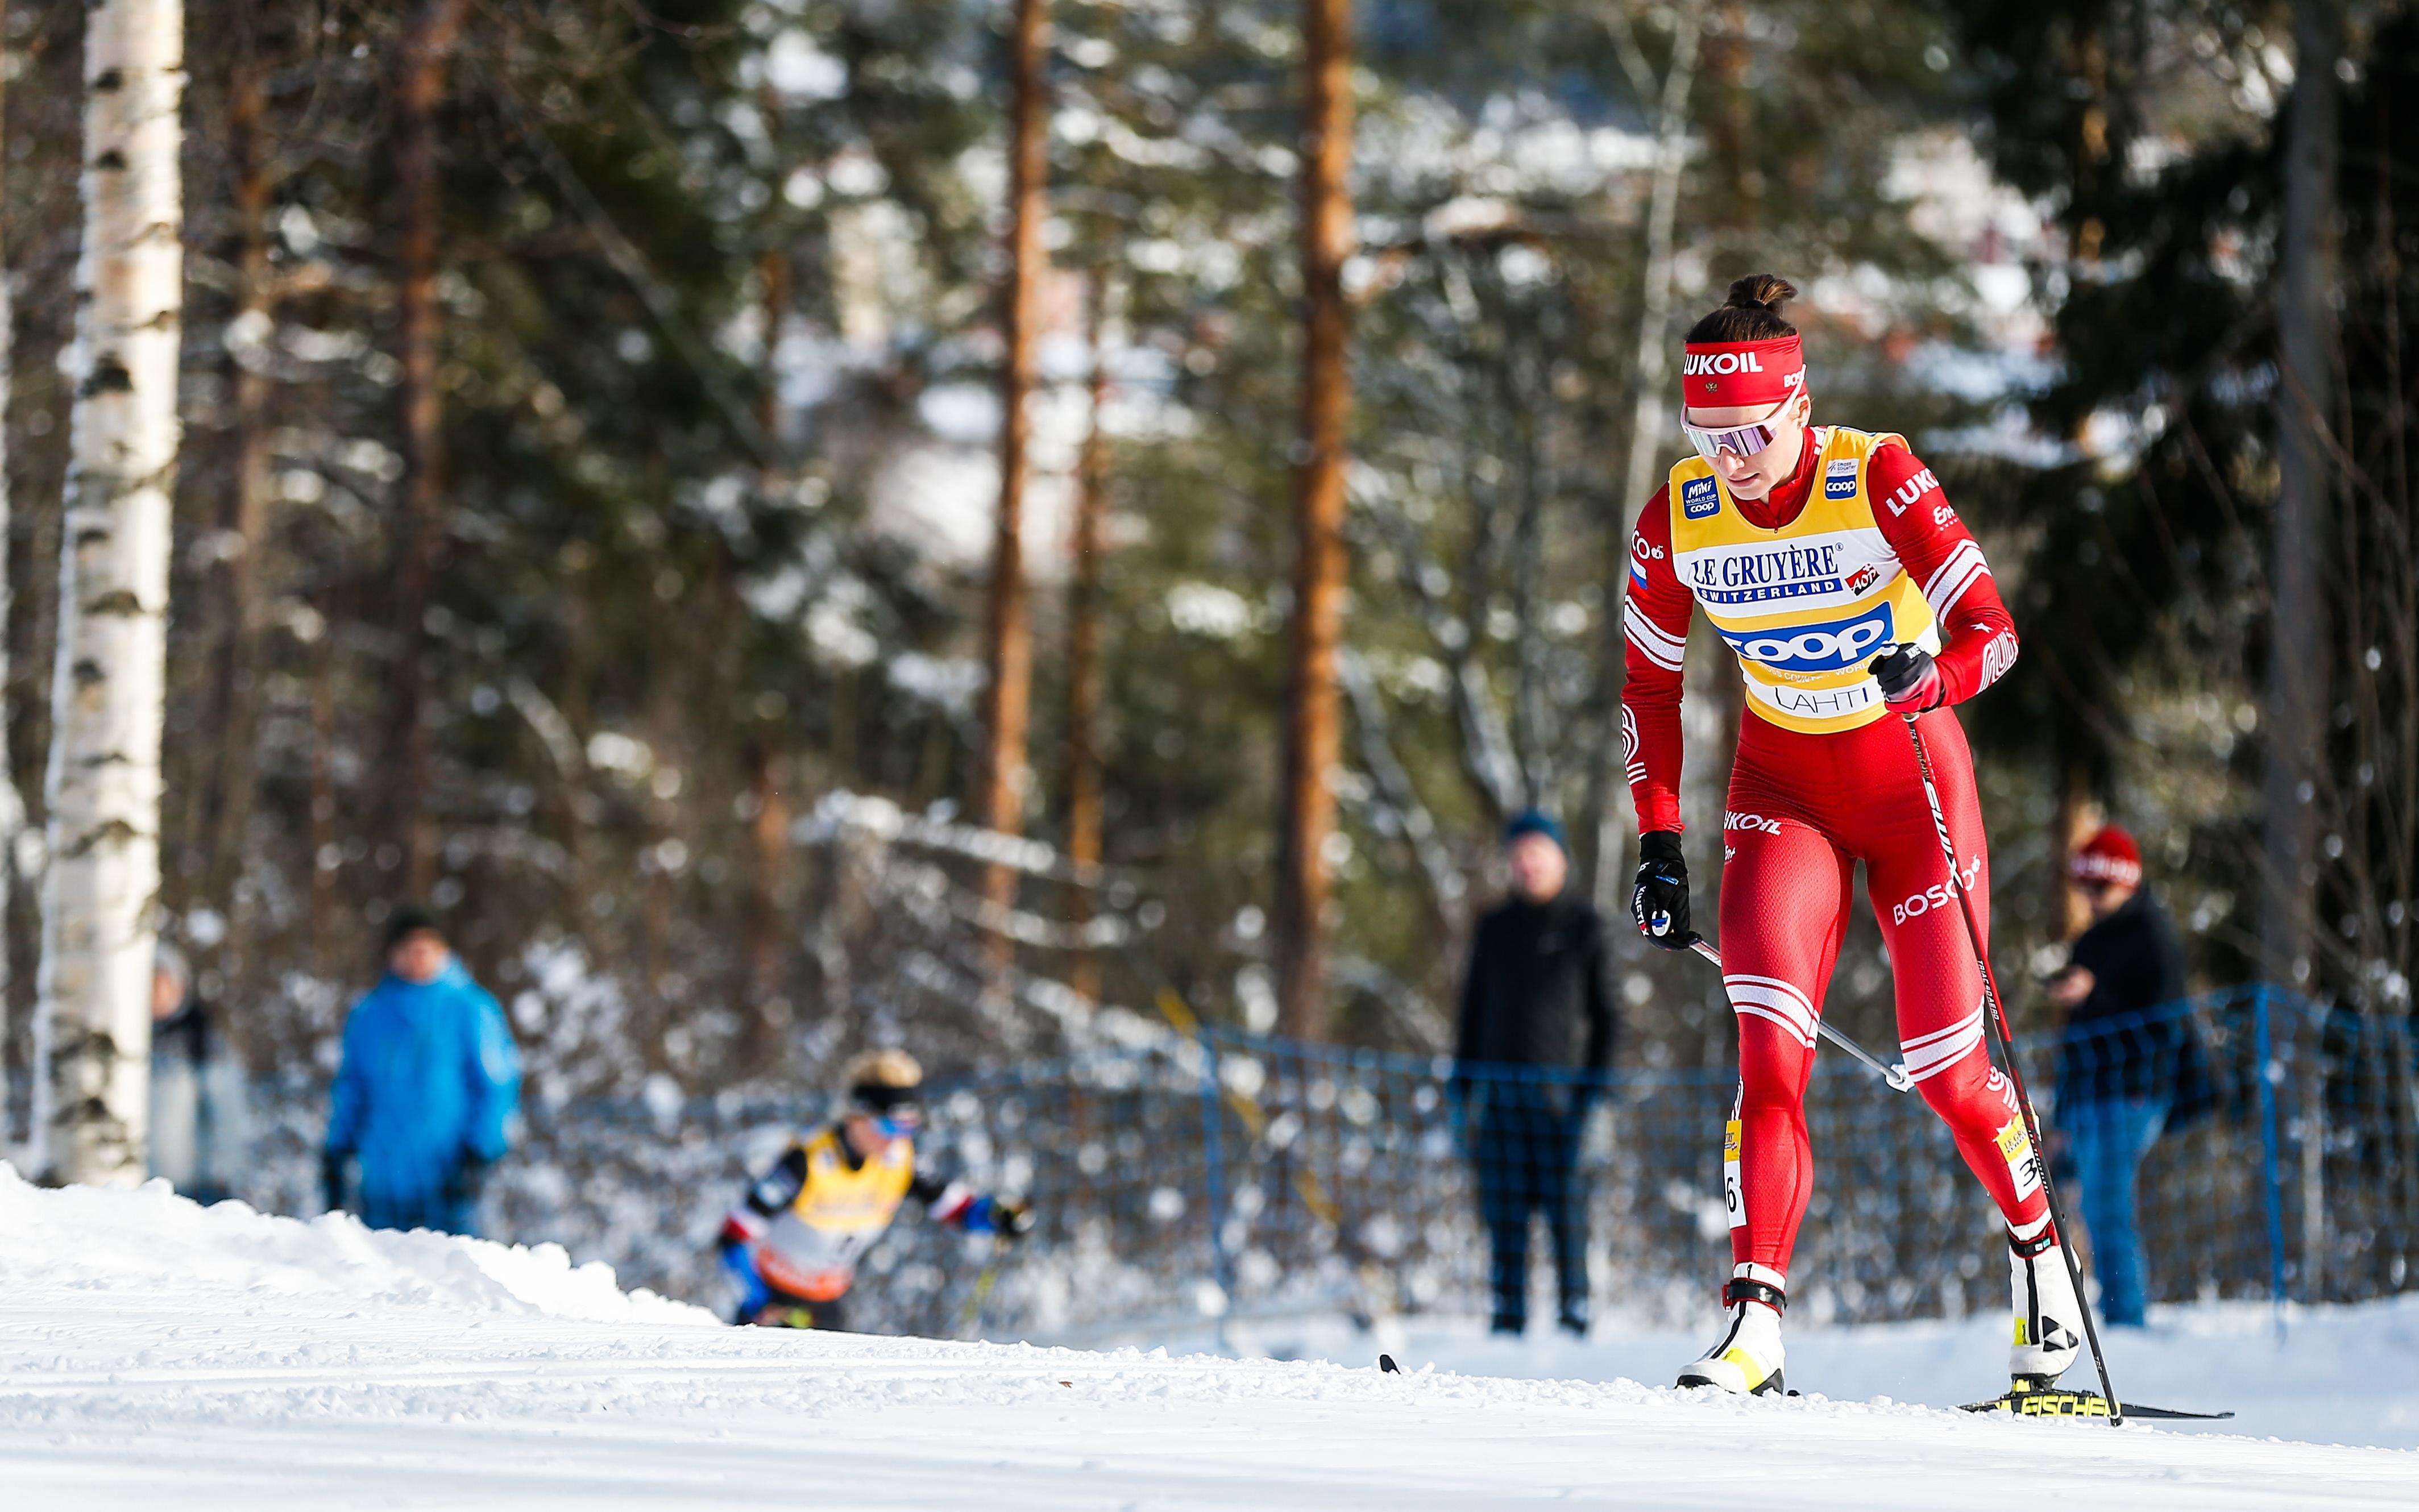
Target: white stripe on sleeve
[[1955, 575], [1661, 648]]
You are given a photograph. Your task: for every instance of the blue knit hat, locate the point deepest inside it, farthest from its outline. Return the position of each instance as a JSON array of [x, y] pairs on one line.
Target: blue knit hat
[[1536, 822]]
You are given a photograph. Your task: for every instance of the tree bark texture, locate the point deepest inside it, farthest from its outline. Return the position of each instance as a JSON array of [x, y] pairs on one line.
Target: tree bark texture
[[419, 542], [1312, 714], [1650, 360], [236, 689], [1083, 650], [2297, 649], [1007, 696], [765, 942], [13, 809], [101, 891]]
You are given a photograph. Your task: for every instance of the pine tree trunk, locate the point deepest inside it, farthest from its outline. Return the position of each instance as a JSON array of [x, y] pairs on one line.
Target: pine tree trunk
[[326, 854], [2297, 652], [764, 948], [419, 542], [234, 720], [100, 894], [1083, 652], [1312, 714], [1008, 690], [764, 944]]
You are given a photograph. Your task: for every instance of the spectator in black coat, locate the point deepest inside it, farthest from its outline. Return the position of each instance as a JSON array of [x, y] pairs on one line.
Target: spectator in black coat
[[2124, 988], [1537, 1041]]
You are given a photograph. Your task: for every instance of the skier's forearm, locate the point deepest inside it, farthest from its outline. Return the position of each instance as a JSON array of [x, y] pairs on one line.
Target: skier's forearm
[[1980, 643], [1650, 752], [1978, 633], [1654, 612], [776, 1188], [954, 1203]]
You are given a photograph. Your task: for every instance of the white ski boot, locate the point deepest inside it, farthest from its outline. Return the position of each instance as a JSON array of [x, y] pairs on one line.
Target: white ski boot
[[2049, 1316], [1746, 1361]]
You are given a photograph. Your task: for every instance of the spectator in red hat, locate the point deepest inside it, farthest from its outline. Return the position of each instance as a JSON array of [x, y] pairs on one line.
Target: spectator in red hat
[[2123, 989]]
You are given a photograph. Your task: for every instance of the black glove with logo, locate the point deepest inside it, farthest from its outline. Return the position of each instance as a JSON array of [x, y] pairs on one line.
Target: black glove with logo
[[1660, 899], [1910, 680]]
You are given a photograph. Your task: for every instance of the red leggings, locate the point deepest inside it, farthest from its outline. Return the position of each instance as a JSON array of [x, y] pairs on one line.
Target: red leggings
[[1804, 808]]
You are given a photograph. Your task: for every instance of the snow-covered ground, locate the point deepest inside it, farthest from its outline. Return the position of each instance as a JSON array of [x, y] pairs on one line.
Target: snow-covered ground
[[157, 1355]]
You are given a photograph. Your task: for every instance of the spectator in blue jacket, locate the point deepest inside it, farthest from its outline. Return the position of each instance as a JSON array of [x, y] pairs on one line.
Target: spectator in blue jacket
[[430, 1076]]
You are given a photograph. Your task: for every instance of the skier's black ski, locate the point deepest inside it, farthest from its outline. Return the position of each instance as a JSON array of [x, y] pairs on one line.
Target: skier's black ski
[[2026, 1399]]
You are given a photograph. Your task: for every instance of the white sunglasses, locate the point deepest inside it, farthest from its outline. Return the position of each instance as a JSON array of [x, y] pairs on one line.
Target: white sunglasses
[[1739, 440]]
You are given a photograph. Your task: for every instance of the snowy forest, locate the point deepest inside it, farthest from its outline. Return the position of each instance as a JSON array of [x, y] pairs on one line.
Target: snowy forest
[[795, 525]]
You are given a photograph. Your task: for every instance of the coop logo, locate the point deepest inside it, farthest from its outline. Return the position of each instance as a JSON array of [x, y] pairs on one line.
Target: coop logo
[[1939, 895], [1839, 478], [1912, 489], [1750, 821], [1700, 498], [1699, 365], [1815, 648], [1864, 577]]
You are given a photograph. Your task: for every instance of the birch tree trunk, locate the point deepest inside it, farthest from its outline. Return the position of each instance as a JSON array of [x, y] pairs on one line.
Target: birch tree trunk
[[13, 809], [2296, 695], [1008, 694], [101, 890], [1312, 717]]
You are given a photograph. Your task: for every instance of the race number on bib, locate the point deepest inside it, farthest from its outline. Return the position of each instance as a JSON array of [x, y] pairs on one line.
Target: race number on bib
[[2024, 1166], [1731, 1194]]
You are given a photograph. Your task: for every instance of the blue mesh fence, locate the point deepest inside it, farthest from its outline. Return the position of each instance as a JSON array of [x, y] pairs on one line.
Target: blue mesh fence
[[1197, 1174]]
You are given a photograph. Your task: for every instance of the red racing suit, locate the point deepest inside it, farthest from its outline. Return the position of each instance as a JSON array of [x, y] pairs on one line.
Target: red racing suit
[[1808, 591]]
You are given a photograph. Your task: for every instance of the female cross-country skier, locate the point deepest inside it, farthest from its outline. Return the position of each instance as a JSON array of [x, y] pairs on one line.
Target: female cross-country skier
[[1831, 562], [793, 1241]]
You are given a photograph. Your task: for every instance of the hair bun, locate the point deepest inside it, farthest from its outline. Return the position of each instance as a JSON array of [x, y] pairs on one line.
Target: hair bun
[[1767, 292]]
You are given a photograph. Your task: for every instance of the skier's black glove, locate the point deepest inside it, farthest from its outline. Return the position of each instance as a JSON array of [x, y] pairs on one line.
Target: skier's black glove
[[1910, 679], [1660, 899], [331, 1179], [1010, 1218]]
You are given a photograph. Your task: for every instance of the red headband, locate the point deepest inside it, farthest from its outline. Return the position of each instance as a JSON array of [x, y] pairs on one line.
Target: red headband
[[1737, 373]]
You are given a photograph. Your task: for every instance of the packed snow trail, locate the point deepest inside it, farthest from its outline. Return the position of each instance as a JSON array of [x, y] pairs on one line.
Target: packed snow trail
[[153, 1354]]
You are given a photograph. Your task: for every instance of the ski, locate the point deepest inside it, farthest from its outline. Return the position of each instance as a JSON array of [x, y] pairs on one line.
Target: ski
[[2023, 1399]]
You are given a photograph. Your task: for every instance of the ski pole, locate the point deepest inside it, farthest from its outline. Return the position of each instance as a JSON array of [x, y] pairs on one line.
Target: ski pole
[[971, 1315], [1896, 1076], [1997, 1018]]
